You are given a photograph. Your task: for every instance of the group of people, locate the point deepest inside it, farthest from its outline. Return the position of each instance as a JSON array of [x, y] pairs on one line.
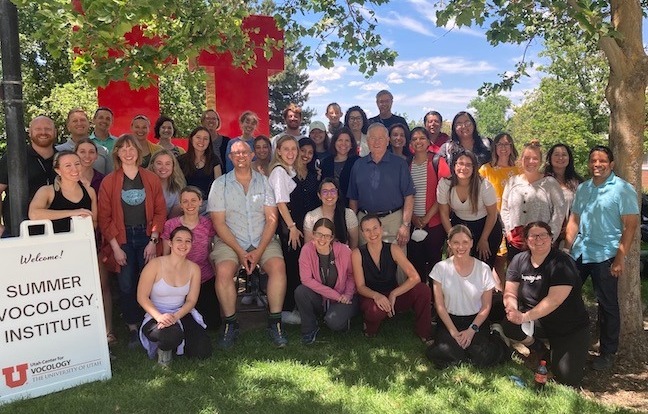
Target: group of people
[[354, 217]]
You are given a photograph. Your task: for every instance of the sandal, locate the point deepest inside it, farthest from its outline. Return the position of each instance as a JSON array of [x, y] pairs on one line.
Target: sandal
[[428, 341], [111, 338]]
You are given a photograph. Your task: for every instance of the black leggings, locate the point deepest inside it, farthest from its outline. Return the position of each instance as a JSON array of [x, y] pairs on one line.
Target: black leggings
[[197, 343], [476, 228], [483, 351], [568, 352]]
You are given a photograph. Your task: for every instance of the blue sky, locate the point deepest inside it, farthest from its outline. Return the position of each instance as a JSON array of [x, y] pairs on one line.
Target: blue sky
[[437, 68]]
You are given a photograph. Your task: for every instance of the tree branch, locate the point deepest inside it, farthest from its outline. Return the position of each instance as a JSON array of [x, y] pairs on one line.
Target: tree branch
[[613, 53]]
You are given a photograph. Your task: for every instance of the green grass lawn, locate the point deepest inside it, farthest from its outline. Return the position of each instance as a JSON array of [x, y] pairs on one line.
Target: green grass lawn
[[340, 373]]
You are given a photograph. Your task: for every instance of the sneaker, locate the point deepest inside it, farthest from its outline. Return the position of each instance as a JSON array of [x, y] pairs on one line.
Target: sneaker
[[134, 340], [164, 357], [309, 337], [496, 327], [230, 334], [262, 301], [603, 362], [247, 300], [291, 318], [277, 335]]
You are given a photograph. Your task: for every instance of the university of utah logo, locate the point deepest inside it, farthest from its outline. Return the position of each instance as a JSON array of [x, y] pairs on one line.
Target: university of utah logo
[[10, 374]]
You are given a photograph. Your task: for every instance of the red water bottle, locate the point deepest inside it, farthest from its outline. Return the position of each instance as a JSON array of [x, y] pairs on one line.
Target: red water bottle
[[540, 377]]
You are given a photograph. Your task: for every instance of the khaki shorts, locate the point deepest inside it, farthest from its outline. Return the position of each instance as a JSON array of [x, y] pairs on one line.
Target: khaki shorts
[[223, 252]]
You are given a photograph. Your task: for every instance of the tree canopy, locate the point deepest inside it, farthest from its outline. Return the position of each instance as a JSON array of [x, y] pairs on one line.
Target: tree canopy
[[181, 30], [491, 113]]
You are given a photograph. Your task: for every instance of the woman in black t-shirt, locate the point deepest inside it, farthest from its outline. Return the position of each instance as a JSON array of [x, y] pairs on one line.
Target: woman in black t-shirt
[[543, 300], [199, 165]]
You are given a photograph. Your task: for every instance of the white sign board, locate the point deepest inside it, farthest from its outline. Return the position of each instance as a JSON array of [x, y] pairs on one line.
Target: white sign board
[[52, 328]]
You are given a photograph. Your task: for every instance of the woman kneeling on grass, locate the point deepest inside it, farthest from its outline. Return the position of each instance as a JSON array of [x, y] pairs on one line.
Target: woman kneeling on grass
[[327, 282], [168, 290], [374, 270], [463, 292], [543, 291]]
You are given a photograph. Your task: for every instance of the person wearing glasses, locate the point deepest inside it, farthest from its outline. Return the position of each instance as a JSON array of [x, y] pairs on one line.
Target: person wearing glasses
[[356, 120], [327, 282], [498, 171], [465, 136], [543, 300]]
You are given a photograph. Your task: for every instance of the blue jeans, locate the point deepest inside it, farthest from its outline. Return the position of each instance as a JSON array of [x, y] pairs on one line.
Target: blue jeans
[[136, 241], [606, 289]]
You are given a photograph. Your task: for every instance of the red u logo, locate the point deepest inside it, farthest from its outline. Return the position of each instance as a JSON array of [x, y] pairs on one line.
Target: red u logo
[[9, 375]]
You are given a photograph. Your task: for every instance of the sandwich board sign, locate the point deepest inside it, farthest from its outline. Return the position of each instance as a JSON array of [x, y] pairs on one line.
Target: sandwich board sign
[[52, 327]]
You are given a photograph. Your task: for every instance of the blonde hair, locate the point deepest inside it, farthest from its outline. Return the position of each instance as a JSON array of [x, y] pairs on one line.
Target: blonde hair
[[278, 161], [457, 229], [176, 181], [56, 164]]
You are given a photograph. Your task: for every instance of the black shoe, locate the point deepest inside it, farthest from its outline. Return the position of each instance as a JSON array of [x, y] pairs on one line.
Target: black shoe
[[603, 362], [230, 334], [276, 333], [134, 340]]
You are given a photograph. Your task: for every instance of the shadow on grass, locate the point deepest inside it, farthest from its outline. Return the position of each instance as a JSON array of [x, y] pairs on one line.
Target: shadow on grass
[[340, 373]]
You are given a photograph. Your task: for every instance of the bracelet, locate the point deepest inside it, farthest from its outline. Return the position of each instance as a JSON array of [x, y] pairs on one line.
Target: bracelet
[[292, 225], [406, 224]]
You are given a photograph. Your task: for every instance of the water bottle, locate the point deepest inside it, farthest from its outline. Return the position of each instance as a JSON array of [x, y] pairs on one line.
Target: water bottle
[[540, 377]]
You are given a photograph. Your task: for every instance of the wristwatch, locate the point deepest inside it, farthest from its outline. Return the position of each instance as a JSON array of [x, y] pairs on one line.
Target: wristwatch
[[474, 327], [155, 240]]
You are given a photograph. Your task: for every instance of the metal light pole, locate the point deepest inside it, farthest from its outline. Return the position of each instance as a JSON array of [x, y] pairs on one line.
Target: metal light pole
[[12, 100]]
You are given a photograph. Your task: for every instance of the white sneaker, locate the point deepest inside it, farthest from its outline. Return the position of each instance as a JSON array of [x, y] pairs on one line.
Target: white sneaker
[[247, 300], [291, 318], [164, 358]]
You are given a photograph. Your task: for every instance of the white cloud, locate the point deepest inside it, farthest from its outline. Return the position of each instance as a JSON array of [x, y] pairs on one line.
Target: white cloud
[[323, 74], [394, 78], [428, 9], [398, 20], [374, 86], [355, 83], [439, 98], [315, 89]]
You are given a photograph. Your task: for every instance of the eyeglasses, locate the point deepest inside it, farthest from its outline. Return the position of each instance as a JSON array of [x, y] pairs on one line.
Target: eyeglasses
[[355, 118], [464, 124], [331, 192], [538, 237], [465, 164], [503, 145], [240, 153], [319, 235]]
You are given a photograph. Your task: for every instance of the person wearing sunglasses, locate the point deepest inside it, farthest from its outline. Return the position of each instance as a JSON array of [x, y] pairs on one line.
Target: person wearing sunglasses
[[327, 283]]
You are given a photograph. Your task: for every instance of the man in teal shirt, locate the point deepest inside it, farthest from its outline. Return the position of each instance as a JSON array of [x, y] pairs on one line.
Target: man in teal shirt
[[102, 120], [601, 228]]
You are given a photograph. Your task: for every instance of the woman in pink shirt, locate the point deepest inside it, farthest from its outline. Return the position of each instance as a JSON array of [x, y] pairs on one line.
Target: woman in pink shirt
[[327, 282], [203, 234]]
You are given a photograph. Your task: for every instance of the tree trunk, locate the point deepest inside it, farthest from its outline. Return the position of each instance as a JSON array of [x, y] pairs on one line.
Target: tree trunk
[[626, 95]]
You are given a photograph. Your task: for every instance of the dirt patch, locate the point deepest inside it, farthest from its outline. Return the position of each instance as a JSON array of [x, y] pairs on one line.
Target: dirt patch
[[626, 384]]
